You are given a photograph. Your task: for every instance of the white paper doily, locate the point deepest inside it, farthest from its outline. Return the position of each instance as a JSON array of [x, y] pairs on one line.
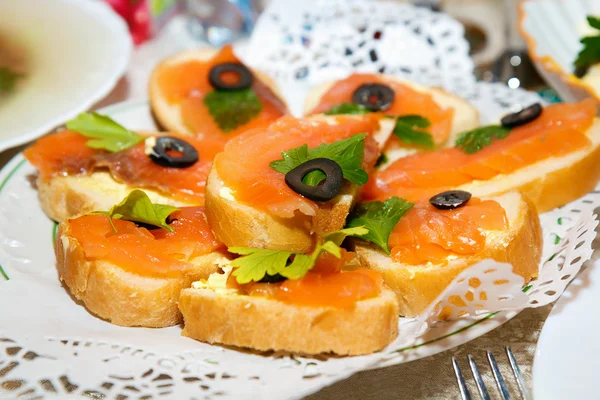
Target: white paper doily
[[304, 43], [52, 346]]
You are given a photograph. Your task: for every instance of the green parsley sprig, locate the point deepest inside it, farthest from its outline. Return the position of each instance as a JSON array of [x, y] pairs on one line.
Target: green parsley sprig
[[379, 218], [590, 53], [232, 108], [104, 132], [137, 207], [256, 264], [472, 141], [348, 153], [409, 129]]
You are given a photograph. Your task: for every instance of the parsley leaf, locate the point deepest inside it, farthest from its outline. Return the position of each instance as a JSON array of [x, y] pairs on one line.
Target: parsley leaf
[[472, 141], [104, 132], [232, 108], [137, 207], [379, 219], [348, 153], [255, 264], [8, 79], [590, 53], [406, 130], [347, 108]]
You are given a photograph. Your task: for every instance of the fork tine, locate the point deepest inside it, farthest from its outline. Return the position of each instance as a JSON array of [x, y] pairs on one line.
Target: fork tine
[[498, 377], [464, 392], [525, 394], [480, 385]]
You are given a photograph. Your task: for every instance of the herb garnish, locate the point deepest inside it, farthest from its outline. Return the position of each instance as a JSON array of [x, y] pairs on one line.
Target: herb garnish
[[348, 153], [255, 264], [379, 218], [407, 130], [104, 132], [232, 108], [347, 108], [472, 141], [137, 207], [590, 53], [8, 79]]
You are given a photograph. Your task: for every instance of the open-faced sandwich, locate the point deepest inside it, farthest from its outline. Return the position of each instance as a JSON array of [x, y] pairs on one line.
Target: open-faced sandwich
[[414, 117], [212, 94], [96, 162], [550, 154], [129, 264]]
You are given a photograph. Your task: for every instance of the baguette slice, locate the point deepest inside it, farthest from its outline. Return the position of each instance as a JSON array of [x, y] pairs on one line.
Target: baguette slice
[[466, 116], [260, 323], [169, 115], [119, 296], [238, 224], [417, 286], [553, 182], [64, 197]]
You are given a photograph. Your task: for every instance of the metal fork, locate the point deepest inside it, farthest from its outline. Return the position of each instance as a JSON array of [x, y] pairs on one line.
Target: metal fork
[[483, 392]]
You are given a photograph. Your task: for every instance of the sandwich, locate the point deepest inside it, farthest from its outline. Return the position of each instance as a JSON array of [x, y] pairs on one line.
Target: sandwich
[[96, 162], [415, 117], [211, 94], [129, 264]]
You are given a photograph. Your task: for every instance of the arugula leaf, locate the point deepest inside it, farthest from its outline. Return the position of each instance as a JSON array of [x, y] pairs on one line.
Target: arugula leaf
[[232, 108], [472, 141], [590, 52], [137, 207], [8, 79], [255, 264], [379, 219], [406, 130], [348, 153], [347, 108], [104, 132]]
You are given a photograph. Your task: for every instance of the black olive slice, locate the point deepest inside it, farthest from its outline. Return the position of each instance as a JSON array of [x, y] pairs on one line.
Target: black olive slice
[[164, 144], [244, 75], [324, 191], [374, 96], [522, 117], [450, 200]]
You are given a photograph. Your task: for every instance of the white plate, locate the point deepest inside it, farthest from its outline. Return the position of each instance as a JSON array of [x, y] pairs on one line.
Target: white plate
[[552, 30], [567, 358], [76, 51], [26, 257]]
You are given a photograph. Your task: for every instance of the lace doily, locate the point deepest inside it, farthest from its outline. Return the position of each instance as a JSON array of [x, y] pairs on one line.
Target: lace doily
[[304, 43]]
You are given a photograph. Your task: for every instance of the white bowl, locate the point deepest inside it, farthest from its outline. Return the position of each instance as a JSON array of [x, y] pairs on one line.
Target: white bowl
[[552, 30], [76, 51]]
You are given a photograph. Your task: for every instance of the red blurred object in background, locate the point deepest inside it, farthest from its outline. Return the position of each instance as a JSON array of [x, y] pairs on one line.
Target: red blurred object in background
[[138, 17]]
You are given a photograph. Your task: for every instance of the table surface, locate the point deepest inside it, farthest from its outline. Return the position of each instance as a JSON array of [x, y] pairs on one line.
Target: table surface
[[429, 378]]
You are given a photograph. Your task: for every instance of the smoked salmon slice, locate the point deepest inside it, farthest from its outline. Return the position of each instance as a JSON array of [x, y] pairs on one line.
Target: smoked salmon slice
[[155, 252], [65, 153], [407, 101], [186, 84], [425, 234], [561, 129], [244, 164]]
